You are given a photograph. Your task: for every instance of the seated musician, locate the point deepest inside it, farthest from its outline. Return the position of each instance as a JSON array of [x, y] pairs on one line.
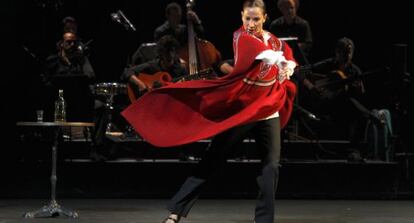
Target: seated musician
[[290, 24], [339, 68], [166, 61], [341, 93], [69, 69]]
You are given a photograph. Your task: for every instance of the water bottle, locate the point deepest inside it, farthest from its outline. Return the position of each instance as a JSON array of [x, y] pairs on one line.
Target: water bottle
[[60, 108]]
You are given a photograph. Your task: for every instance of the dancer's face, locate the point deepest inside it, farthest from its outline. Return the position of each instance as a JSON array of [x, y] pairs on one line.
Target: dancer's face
[[253, 19]]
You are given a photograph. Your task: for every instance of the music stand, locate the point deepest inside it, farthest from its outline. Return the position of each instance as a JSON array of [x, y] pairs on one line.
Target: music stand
[[301, 58], [53, 208]]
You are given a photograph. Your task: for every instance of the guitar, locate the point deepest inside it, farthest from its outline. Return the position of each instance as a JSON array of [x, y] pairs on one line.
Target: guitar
[[160, 79], [152, 80], [206, 74], [327, 86]]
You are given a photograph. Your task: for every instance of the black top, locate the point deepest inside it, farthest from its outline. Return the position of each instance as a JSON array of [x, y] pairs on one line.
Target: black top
[[80, 67], [300, 28], [75, 80]]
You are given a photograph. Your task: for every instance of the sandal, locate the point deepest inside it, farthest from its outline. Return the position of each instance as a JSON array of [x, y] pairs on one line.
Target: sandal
[[172, 219]]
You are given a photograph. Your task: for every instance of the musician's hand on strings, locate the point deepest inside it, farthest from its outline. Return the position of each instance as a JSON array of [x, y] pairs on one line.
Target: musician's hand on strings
[[193, 17], [148, 88], [139, 84]]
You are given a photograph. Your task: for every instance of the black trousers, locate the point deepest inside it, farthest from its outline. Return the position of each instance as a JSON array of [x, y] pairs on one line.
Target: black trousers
[[267, 137]]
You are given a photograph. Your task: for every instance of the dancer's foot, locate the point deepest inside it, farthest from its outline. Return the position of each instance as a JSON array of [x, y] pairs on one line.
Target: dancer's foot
[[172, 218]]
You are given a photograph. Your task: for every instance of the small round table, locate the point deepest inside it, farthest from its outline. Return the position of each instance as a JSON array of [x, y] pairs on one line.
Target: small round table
[[53, 208]]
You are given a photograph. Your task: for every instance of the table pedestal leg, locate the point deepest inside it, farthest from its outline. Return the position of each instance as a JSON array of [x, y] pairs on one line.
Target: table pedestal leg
[[53, 209]]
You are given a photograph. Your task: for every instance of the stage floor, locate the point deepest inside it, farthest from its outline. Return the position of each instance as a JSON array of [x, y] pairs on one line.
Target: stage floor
[[217, 211]]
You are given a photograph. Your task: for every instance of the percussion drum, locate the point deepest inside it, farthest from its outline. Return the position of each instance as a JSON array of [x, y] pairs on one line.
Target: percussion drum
[[109, 91]]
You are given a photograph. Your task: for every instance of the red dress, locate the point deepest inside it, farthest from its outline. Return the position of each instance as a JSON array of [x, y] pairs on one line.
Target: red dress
[[186, 112]]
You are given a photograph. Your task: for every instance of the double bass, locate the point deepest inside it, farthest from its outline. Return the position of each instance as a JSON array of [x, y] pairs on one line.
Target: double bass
[[200, 54]]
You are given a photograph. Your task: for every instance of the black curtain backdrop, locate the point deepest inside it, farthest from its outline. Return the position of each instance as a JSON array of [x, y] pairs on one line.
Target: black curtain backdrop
[[37, 25]]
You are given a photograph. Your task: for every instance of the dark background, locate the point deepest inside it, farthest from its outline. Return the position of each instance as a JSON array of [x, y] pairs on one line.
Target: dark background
[[37, 25]]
